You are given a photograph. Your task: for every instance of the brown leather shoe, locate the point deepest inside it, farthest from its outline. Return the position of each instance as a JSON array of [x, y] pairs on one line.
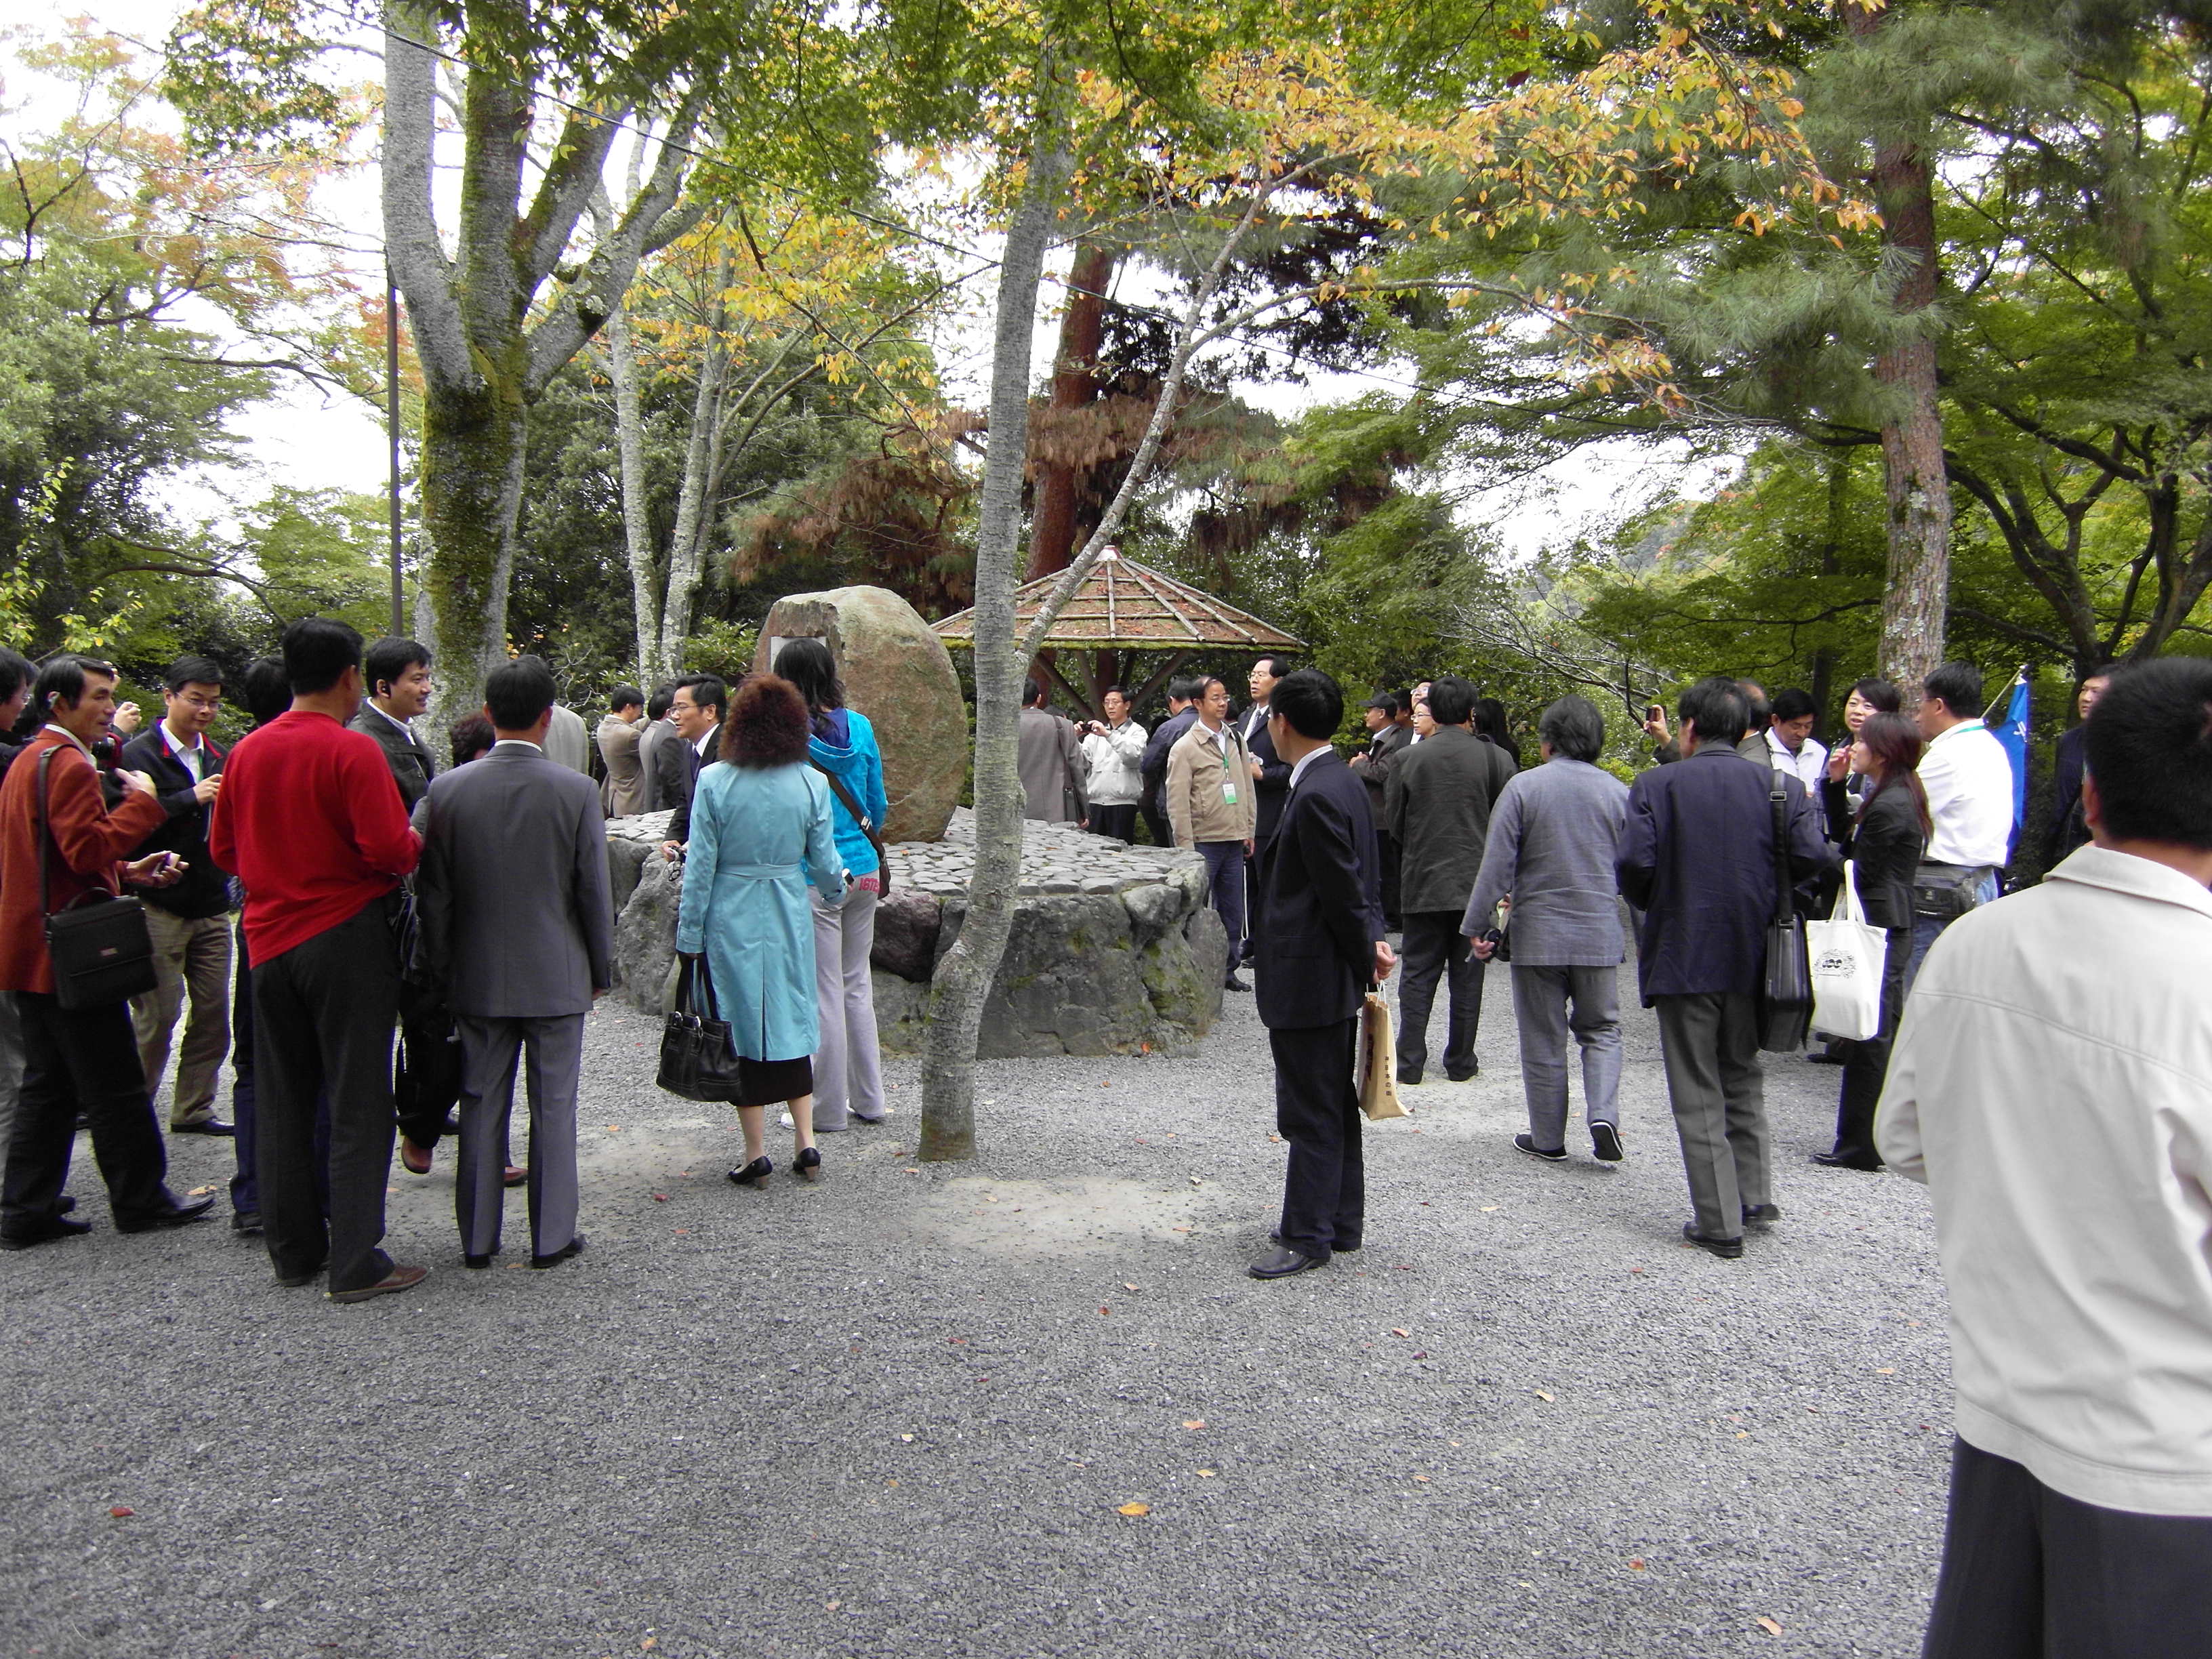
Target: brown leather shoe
[[514, 1174], [399, 1279], [416, 1160]]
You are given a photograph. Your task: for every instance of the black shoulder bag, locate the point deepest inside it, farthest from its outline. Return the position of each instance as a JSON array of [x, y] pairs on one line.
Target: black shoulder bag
[[101, 951], [867, 824], [1785, 993], [696, 1059]]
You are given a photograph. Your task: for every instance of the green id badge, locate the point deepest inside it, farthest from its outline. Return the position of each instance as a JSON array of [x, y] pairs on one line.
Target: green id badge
[[1228, 793]]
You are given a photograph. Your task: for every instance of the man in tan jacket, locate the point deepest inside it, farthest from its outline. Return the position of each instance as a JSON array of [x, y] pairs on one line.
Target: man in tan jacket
[[1209, 801]]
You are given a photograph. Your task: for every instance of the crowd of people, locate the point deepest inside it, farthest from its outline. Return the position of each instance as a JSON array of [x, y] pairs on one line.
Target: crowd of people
[[2042, 1063]]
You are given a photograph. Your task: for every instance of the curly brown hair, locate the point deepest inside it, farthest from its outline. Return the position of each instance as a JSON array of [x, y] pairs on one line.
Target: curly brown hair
[[767, 724]]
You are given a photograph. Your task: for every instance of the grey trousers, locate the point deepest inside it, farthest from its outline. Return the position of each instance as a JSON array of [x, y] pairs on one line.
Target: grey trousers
[[491, 1048], [1710, 1043], [848, 1078], [189, 956], [1542, 1000]]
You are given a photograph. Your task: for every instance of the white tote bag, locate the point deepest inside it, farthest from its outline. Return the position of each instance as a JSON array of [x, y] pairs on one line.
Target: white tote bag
[[1848, 957]]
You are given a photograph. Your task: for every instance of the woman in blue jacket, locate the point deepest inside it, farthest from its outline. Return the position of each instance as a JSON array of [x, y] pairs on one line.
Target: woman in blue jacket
[[848, 1078], [759, 833]]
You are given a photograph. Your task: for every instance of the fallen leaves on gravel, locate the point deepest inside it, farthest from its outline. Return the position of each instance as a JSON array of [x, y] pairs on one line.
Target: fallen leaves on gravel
[[1135, 1509], [1193, 1422], [1400, 1330], [1636, 1563], [122, 1512], [1487, 1208], [199, 1191], [907, 1439], [1769, 1625], [1205, 1474], [1541, 1395]]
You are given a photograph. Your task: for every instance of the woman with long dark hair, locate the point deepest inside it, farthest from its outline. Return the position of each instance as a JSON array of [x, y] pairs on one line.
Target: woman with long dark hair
[[848, 1079], [760, 832], [1883, 839], [1490, 722]]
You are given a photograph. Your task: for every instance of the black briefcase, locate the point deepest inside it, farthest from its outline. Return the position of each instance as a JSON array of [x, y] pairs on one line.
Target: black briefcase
[[101, 951]]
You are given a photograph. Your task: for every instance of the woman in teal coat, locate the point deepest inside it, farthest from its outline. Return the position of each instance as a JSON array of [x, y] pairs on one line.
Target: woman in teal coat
[[761, 827]]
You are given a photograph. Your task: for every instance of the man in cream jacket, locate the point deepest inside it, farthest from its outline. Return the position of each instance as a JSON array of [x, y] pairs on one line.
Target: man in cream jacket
[[2052, 1085]]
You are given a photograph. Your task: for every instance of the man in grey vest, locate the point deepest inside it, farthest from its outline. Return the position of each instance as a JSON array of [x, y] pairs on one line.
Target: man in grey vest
[[517, 929]]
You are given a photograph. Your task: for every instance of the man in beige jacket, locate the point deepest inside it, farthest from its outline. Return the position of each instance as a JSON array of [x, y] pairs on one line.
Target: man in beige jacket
[[1209, 801]]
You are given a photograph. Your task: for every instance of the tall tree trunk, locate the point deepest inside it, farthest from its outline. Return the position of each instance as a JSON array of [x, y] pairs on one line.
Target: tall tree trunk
[[1074, 385], [702, 468], [964, 978], [1831, 548], [1918, 485], [637, 526]]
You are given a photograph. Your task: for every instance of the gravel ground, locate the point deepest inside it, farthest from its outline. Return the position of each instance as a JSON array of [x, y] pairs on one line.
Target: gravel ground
[[906, 1411]]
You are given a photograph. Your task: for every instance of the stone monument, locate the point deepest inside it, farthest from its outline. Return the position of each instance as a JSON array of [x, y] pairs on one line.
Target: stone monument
[[897, 672]]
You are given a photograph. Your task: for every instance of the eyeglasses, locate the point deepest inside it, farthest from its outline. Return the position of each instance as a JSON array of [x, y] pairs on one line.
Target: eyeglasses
[[205, 705]]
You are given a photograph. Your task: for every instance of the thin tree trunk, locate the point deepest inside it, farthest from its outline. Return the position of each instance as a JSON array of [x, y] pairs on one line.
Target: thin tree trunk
[[637, 526], [964, 978], [1918, 485], [687, 545]]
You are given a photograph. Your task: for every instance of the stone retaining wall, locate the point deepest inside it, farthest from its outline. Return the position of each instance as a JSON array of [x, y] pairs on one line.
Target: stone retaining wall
[[1114, 948]]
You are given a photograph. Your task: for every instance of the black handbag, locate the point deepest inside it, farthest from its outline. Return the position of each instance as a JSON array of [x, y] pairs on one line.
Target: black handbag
[[101, 951], [1786, 992], [696, 1059], [867, 824]]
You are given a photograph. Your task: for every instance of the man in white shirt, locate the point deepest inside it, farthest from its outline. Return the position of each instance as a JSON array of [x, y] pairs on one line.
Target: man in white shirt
[[2052, 1085], [1968, 778], [1113, 753], [1790, 745]]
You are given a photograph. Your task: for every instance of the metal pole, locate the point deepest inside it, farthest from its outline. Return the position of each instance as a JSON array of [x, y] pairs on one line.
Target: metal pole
[[392, 437]]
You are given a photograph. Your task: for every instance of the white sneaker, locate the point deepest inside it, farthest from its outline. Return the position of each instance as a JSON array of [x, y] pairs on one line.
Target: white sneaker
[[784, 1121]]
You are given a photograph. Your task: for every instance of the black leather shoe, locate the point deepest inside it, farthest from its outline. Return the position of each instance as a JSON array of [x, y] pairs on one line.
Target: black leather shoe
[[1466, 1076], [1761, 1216], [245, 1221], [1826, 1057], [175, 1215], [44, 1232], [1727, 1249], [807, 1165], [204, 1126], [1527, 1143], [750, 1174], [1605, 1143], [1282, 1262], [64, 1204], [1233, 983], [294, 1281], [573, 1247], [1408, 1079], [1847, 1160], [479, 1262]]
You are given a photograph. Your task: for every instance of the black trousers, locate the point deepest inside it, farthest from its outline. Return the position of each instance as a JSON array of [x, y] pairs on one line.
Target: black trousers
[[1393, 859], [86, 1061], [1119, 821], [1317, 1112], [1866, 1064], [323, 1014], [1252, 899], [426, 1083], [1155, 817], [1435, 950], [2028, 1574]]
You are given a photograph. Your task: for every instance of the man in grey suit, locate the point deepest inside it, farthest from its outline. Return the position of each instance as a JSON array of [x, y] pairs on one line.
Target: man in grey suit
[[1553, 836], [517, 927]]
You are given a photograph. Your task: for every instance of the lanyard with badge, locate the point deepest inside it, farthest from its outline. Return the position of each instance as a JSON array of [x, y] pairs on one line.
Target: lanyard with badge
[[1228, 776]]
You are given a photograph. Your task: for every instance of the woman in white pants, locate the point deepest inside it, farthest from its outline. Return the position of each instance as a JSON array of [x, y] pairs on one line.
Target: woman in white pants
[[848, 1079]]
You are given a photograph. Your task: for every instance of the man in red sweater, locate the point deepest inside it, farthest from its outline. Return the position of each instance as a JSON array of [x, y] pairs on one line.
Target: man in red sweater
[[74, 1060], [309, 820]]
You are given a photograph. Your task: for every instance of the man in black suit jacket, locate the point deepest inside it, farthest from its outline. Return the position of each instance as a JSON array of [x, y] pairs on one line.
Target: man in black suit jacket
[[697, 708], [1697, 857], [398, 674], [1271, 783], [1321, 884], [2068, 830]]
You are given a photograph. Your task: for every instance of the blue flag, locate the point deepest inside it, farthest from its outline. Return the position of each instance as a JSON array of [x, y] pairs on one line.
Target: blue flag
[[2012, 733]]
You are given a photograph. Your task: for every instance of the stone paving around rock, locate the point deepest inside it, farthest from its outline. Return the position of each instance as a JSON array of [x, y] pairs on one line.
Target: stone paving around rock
[[1024, 1405]]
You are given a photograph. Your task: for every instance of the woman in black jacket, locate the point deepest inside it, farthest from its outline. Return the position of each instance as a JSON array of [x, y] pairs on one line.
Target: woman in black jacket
[[1884, 842]]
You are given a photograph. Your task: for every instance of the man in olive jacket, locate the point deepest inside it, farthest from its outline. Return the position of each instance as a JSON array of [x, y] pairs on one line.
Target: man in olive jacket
[[1436, 803]]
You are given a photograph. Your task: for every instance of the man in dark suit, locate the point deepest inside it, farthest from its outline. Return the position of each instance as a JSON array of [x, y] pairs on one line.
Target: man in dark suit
[[1183, 713], [517, 929], [1698, 858], [1387, 736], [1321, 884], [1437, 806], [1271, 780], [696, 711], [398, 673]]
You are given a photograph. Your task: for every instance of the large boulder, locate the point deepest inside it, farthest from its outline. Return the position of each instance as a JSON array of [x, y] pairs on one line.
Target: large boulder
[[896, 671], [907, 925], [645, 935]]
